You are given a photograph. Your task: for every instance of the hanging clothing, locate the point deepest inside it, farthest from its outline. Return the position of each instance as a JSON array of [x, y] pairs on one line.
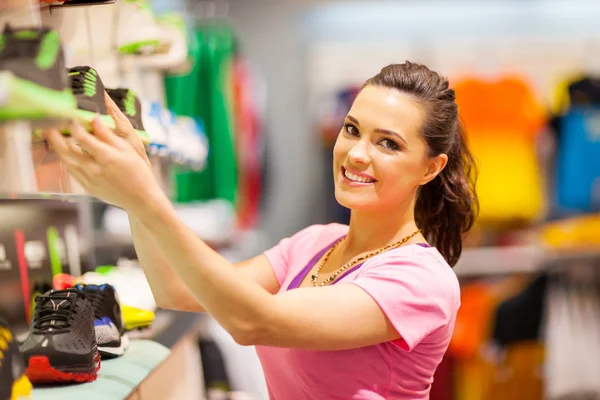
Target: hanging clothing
[[207, 93], [502, 119], [577, 129]]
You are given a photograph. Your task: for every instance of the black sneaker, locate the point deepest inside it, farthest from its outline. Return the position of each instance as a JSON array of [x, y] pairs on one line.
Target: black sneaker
[[109, 325], [13, 382], [61, 345], [130, 105], [33, 79], [89, 92]]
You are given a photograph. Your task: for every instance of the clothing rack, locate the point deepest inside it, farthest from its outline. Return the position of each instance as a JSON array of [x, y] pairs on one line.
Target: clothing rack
[[496, 261]]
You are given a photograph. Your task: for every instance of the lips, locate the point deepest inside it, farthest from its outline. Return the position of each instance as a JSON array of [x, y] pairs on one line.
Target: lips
[[357, 177]]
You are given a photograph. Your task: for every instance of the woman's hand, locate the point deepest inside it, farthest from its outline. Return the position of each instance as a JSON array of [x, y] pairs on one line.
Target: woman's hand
[[112, 166]]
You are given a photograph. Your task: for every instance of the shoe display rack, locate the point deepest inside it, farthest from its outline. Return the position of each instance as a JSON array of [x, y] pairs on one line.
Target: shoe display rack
[[76, 337]]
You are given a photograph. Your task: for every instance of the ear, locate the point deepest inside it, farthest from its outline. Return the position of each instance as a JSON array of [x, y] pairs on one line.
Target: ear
[[435, 165]]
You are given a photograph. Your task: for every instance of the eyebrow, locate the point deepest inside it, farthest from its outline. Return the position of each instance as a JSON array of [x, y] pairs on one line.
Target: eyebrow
[[379, 130]]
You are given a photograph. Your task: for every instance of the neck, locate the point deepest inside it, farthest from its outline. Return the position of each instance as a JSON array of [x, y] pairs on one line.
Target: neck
[[370, 230]]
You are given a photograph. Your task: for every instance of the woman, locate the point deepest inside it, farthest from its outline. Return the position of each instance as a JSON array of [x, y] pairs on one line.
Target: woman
[[363, 311]]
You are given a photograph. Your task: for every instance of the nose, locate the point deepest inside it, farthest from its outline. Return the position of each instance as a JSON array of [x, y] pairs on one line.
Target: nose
[[359, 153]]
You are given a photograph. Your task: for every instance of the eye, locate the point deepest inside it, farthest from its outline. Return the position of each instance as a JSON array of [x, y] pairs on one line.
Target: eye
[[390, 144], [351, 129]]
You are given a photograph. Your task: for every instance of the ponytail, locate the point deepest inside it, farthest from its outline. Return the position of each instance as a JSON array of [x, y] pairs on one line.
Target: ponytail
[[447, 207]]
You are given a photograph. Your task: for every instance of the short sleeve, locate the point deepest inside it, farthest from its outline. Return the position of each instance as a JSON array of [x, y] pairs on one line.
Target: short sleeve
[[281, 254], [416, 292]]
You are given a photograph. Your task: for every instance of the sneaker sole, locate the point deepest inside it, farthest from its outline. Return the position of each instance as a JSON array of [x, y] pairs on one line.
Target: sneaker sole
[[86, 118], [21, 388], [112, 352], [23, 99], [39, 371]]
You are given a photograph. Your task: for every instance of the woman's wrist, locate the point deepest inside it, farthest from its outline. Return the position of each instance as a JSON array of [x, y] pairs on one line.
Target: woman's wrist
[[151, 207]]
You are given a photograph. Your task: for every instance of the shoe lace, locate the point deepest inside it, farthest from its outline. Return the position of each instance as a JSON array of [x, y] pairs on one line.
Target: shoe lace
[[96, 297], [53, 312]]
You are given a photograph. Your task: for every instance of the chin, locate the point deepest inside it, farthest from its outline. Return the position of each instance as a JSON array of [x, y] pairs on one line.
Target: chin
[[355, 201]]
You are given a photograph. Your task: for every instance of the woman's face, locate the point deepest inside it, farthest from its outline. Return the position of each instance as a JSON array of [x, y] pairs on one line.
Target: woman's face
[[380, 159]]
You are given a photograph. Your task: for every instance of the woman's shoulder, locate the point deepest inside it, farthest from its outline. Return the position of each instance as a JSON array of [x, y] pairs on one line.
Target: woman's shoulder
[[416, 265]]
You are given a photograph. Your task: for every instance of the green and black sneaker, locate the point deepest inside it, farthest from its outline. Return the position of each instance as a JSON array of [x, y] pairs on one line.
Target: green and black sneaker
[[33, 78], [89, 92], [130, 105]]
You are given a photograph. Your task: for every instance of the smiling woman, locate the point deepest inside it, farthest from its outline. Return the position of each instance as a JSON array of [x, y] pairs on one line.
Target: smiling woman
[[364, 311]]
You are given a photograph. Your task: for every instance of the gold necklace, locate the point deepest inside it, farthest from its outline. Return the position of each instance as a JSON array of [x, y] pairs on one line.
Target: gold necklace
[[351, 263]]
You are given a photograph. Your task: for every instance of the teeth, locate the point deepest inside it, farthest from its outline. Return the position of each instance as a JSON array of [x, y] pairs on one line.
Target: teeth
[[357, 178]]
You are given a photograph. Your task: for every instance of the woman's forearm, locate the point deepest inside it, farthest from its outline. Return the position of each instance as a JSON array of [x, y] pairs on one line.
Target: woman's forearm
[[239, 304], [168, 289]]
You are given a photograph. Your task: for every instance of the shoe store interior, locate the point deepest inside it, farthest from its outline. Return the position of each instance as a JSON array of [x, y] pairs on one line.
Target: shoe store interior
[[238, 105]]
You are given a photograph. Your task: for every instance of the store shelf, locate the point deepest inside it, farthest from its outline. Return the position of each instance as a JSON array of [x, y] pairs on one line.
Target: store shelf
[[488, 261], [64, 197], [117, 378], [83, 3]]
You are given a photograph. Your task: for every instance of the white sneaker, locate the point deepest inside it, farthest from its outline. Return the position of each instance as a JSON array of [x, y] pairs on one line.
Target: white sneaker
[[151, 118], [130, 284], [137, 30], [196, 143], [175, 144], [172, 50]]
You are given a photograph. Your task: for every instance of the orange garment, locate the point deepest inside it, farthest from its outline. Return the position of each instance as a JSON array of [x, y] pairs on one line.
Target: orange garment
[[473, 320], [502, 119], [475, 368], [518, 374]]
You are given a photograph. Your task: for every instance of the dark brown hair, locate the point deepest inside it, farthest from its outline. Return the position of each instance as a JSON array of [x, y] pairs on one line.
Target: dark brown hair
[[446, 207]]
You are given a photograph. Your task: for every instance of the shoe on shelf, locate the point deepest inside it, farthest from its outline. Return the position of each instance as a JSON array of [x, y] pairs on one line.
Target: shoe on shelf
[[109, 325], [137, 30], [172, 50], [33, 78], [130, 105], [152, 119], [89, 92], [196, 149], [13, 382], [62, 281], [61, 345], [136, 318]]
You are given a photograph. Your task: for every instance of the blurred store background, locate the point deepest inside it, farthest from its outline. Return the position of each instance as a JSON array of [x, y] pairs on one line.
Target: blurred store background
[[243, 100]]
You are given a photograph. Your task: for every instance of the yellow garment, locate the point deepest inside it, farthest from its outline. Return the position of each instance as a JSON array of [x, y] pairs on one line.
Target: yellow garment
[[502, 119], [578, 232]]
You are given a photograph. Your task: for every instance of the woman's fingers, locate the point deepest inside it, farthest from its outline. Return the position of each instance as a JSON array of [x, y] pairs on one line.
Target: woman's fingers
[[105, 134], [95, 146], [57, 141], [123, 126], [122, 123], [71, 154]]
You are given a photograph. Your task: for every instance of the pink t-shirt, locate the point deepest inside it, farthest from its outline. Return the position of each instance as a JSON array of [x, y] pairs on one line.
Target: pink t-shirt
[[415, 288]]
